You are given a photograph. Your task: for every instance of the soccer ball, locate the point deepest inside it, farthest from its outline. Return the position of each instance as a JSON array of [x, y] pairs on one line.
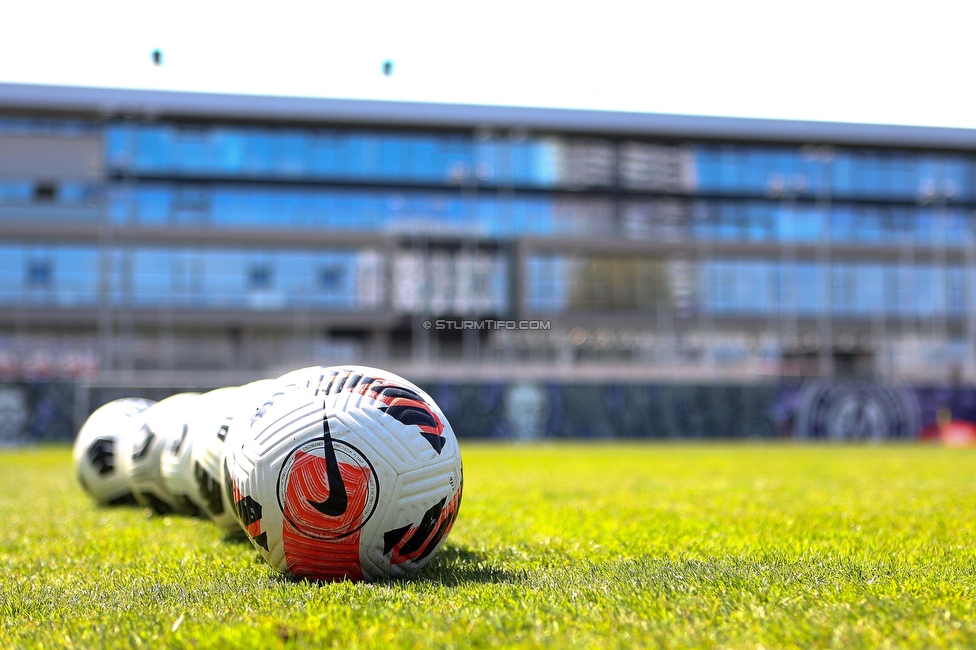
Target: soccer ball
[[202, 417], [346, 473], [165, 425], [235, 405], [100, 441]]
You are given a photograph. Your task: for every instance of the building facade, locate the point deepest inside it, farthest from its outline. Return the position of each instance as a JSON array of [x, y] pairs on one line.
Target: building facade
[[146, 236]]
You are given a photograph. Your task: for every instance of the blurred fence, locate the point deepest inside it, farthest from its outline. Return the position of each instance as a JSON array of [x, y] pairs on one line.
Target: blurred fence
[[38, 411], [815, 409]]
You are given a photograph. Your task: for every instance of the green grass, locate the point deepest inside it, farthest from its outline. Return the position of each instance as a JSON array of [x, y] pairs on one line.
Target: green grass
[[569, 545]]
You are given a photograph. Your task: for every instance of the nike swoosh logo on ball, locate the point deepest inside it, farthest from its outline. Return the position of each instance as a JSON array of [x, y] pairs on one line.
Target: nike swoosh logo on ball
[[337, 501]]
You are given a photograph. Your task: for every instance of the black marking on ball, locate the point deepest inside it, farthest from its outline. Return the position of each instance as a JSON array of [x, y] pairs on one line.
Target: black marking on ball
[[338, 501], [249, 511], [425, 529], [101, 456], [393, 537], [209, 489], [141, 448]]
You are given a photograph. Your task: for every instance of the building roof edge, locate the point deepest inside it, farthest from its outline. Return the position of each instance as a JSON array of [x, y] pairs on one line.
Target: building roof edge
[[107, 102]]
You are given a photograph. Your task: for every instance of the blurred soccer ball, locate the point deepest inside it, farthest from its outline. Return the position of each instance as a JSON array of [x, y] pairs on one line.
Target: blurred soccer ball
[[346, 473], [201, 418], [226, 409], [105, 435], [165, 426]]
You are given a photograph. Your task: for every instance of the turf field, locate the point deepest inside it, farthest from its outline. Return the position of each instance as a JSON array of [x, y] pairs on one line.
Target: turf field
[[570, 545]]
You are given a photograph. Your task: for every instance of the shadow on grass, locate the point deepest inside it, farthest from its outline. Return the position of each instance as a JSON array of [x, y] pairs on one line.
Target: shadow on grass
[[452, 566], [237, 539], [455, 566]]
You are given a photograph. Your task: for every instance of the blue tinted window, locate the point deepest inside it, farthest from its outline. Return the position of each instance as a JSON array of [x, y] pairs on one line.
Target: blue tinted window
[[843, 291], [288, 154], [955, 291], [16, 191], [330, 277], [256, 154], [904, 175], [46, 126], [547, 284], [868, 228], [842, 174], [808, 296], [38, 274], [259, 277], [958, 179], [892, 290], [227, 152], [708, 167], [188, 150], [342, 209], [323, 153], [118, 145], [152, 149], [249, 279], [60, 276], [926, 292], [809, 224], [226, 276], [869, 282], [958, 228]]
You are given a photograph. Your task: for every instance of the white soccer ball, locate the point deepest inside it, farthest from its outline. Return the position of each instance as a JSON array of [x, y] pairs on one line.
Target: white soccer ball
[[355, 475], [200, 419], [165, 425], [230, 406], [102, 439]]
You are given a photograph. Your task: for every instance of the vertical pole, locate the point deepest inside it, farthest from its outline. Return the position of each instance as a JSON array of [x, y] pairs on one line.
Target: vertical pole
[[824, 158], [969, 282], [945, 191]]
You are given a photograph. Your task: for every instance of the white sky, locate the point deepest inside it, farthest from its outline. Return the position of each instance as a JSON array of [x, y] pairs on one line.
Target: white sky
[[822, 60]]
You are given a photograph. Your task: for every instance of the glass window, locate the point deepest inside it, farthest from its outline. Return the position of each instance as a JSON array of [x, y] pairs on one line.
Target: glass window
[[16, 191], [188, 149], [708, 167], [808, 295], [728, 169], [257, 157], [227, 152], [59, 275], [927, 224], [259, 277], [870, 173], [152, 151], [870, 289], [842, 174], [929, 174], [807, 223], [904, 175], [38, 274], [843, 289], [756, 170], [955, 291], [926, 293], [287, 154], [867, 225], [253, 279], [958, 230], [330, 277], [118, 146], [892, 293]]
